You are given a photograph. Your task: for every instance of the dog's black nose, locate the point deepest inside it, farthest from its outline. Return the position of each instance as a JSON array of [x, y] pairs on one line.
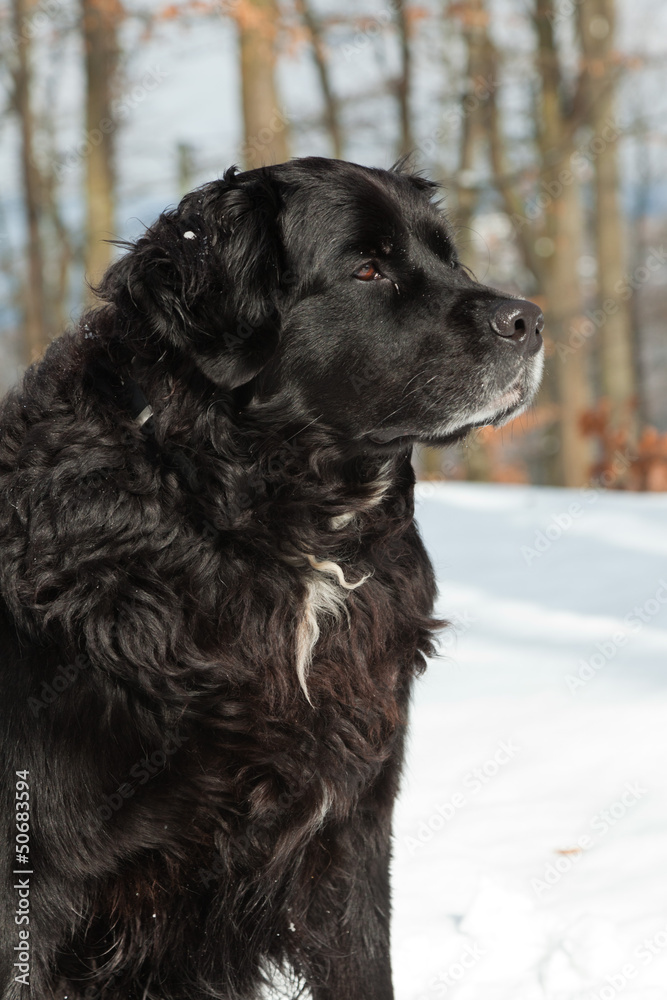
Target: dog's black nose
[[521, 322]]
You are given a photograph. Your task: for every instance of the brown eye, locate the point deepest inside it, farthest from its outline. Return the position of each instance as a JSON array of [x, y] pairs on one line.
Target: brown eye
[[367, 272]]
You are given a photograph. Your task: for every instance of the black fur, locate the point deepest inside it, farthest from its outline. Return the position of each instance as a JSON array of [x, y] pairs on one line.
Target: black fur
[[198, 816]]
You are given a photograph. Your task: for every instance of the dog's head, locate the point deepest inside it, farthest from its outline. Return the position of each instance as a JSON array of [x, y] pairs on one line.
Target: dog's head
[[336, 290]]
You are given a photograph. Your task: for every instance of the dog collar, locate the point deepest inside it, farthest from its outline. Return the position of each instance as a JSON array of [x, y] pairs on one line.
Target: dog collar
[[138, 402], [145, 415], [126, 393]]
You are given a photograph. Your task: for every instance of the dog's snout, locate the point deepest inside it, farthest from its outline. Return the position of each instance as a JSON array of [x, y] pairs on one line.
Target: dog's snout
[[521, 322]]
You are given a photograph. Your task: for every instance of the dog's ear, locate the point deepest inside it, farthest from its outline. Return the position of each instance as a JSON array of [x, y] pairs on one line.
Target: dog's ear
[[206, 277]]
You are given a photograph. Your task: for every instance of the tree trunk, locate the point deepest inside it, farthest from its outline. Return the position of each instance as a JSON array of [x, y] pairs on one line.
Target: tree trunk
[[474, 132], [331, 106], [618, 376], [571, 363], [100, 20], [36, 334], [404, 83], [562, 245], [265, 122], [473, 140], [557, 234]]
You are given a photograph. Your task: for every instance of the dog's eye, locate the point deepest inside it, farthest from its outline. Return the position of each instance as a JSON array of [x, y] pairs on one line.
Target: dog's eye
[[368, 272], [454, 263]]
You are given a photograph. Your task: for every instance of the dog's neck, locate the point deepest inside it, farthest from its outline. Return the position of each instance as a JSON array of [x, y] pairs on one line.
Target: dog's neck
[[308, 503], [281, 459]]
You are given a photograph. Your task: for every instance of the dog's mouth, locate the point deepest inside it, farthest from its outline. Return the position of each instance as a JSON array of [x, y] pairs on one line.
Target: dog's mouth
[[508, 404], [508, 399], [521, 391], [502, 407]]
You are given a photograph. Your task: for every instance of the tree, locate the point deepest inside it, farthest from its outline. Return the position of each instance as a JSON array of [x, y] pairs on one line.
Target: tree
[[265, 122], [36, 334], [331, 104], [100, 20], [474, 125], [559, 247], [474, 20], [617, 365], [548, 224], [404, 81]]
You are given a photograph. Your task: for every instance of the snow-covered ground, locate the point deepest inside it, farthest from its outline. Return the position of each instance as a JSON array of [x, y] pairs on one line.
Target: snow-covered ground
[[531, 833]]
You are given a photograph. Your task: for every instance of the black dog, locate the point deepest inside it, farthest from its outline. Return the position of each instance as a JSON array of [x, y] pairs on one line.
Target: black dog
[[213, 597]]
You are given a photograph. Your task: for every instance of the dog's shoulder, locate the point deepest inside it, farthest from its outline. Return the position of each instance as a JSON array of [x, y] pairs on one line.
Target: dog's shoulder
[[166, 579]]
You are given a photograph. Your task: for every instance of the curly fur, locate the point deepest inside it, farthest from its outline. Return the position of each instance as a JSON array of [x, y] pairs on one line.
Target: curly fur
[[210, 625]]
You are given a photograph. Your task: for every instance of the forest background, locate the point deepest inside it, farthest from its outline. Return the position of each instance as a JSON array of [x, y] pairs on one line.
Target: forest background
[[545, 122]]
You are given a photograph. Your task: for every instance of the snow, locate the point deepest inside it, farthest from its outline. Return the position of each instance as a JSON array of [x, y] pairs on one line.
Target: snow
[[530, 855]]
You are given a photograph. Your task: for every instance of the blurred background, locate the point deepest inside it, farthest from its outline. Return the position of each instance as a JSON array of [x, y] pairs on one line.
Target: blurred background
[[546, 123], [544, 120]]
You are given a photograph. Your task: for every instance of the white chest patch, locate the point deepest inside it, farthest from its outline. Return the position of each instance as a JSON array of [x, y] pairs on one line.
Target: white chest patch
[[325, 589], [325, 596]]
